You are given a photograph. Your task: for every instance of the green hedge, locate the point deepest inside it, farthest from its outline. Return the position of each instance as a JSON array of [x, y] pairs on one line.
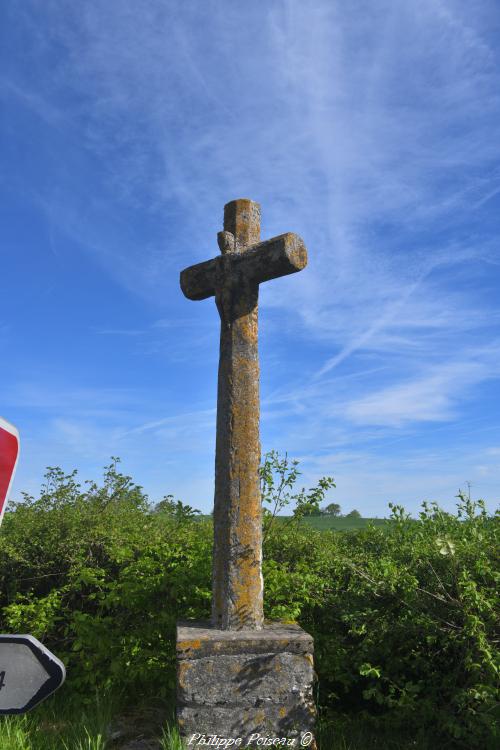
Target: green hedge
[[405, 617]]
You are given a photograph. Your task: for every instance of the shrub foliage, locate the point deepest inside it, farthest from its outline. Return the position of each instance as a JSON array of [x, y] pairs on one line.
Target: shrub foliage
[[405, 617]]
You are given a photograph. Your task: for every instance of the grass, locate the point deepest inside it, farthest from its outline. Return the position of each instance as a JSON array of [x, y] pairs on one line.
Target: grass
[[67, 724], [58, 725]]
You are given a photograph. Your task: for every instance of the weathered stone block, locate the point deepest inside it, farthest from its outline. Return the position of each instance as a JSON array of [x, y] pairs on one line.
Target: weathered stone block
[[235, 684]]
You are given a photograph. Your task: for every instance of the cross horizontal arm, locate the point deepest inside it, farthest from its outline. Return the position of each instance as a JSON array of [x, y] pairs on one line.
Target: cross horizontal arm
[[268, 260]]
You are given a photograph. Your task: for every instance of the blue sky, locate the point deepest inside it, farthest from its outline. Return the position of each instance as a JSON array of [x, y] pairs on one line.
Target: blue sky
[[370, 129]]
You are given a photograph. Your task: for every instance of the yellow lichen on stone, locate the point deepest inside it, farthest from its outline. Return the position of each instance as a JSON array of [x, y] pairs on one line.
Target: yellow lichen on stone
[[184, 666], [189, 645]]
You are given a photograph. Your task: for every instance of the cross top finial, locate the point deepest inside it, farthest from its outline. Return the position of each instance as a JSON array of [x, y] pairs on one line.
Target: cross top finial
[[241, 226], [242, 219]]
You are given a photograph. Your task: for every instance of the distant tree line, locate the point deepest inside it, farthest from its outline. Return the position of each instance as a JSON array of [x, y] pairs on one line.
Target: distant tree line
[[334, 509]]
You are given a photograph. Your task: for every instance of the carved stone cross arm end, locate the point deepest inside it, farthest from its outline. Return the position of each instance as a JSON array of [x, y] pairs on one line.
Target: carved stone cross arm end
[[280, 256], [273, 258], [198, 281]]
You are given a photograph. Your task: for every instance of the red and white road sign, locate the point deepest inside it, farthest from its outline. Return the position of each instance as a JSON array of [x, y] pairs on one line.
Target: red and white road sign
[[9, 452]]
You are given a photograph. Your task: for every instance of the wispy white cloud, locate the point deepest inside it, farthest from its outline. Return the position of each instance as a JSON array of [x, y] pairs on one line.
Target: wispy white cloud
[[432, 397], [370, 477], [51, 114], [174, 424], [44, 395]]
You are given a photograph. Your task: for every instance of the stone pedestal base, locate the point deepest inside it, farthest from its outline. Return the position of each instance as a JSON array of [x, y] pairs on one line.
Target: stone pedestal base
[[246, 685]]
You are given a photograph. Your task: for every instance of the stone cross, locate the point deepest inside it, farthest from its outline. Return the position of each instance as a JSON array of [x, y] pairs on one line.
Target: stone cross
[[234, 278]]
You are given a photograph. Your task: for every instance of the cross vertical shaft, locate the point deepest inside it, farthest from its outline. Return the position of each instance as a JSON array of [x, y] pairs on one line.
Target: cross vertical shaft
[[237, 587], [234, 278]]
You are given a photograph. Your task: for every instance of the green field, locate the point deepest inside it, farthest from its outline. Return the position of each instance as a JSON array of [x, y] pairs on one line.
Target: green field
[[328, 523], [332, 523]]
